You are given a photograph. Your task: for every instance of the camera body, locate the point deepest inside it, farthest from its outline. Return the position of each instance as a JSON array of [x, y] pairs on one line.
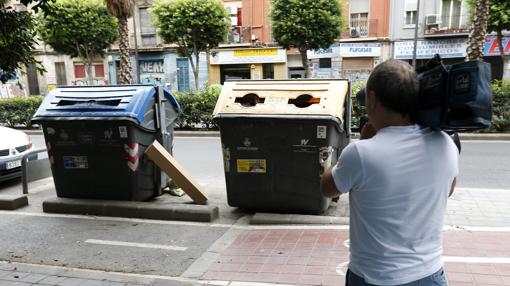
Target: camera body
[[453, 98]]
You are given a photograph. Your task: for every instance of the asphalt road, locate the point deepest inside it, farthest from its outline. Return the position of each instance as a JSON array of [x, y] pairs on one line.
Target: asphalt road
[[483, 164]]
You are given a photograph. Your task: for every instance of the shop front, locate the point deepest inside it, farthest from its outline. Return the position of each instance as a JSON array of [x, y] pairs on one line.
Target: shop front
[[259, 63], [359, 59], [325, 63], [452, 50]]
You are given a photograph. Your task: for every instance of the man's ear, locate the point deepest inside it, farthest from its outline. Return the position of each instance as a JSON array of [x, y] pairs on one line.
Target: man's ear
[[371, 100]]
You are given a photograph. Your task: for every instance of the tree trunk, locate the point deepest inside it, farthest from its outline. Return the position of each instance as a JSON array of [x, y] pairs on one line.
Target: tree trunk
[[124, 51], [194, 68], [476, 39], [195, 73], [88, 68], [304, 61]]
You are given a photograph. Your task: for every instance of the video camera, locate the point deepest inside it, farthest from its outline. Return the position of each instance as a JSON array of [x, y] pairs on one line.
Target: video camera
[[452, 98]]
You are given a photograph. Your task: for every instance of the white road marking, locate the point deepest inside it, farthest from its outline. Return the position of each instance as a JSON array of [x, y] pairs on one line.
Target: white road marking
[[134, 244]]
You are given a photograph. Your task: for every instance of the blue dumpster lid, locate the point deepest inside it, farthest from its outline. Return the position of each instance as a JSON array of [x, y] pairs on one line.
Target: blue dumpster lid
[[129, 101]]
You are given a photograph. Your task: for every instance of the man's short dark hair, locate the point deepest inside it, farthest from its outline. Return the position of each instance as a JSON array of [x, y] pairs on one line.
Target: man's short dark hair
[[395, 85]]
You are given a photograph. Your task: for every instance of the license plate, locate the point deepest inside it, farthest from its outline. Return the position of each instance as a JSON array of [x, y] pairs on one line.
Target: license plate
[[13, 164]]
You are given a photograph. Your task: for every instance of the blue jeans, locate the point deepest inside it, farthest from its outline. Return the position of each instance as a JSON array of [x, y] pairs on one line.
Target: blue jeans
[[436, 279]]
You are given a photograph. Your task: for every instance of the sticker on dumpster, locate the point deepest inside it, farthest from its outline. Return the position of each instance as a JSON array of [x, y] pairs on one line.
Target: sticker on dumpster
[[86, 138], [251, 165], [276, 100], [123, 132], [76, 162], [226, 159], [322, 131]]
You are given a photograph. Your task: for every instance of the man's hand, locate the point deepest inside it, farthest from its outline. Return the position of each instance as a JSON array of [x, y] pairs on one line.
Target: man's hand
[[368, 131], [328, 187]]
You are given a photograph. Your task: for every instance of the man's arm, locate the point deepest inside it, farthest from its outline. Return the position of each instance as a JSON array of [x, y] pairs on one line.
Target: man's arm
[[453, 186], [328, 187]]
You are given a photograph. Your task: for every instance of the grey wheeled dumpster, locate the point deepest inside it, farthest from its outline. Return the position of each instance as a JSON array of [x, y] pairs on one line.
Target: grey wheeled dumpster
[[96, 137], [278, 137]]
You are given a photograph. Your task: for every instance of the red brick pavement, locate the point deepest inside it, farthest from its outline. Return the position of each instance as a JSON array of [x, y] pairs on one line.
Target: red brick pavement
[[311, 257]]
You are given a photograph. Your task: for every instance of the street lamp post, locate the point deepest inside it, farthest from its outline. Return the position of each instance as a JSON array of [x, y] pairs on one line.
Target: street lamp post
[[416, 32]]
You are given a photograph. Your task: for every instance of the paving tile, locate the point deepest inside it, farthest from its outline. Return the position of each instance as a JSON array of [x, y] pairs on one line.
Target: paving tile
[[306, 279], [52, 280], [72, 282], [33, 278], [487, 279]]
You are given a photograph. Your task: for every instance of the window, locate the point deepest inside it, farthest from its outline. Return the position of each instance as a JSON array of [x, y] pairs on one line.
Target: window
[[268, 70], [454, 14], [359, 25], [99, 70], [411, 18], [149, 40], [79, 71], [325, 63], [146, 21], [147, 31], [410, 9]]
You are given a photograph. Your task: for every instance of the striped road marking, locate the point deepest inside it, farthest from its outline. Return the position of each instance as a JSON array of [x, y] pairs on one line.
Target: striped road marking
[[134, 244]]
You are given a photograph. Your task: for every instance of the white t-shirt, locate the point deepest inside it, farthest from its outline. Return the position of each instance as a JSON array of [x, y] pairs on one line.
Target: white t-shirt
[[399, 181]]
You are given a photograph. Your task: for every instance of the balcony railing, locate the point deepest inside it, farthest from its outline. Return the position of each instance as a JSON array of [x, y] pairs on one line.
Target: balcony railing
[[234, 36], [446, 25], [362, 27]]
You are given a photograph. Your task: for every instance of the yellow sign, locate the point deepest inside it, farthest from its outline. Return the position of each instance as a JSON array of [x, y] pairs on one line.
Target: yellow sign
[[251, 166], [255, 53], [51, 86]]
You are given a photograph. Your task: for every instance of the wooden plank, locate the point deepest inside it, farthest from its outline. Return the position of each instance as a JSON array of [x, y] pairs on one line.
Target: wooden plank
[[160, 156]]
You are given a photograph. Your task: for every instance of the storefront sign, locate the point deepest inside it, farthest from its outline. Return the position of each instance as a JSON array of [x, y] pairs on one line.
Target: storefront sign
[[449, 48], [255, 53], [360, 50], [332, 52], [152, 71], [248, 56], [492, 46]]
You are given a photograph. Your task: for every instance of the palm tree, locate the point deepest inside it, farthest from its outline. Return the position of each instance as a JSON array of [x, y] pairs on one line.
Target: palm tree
[[122, 10], [476, 39]]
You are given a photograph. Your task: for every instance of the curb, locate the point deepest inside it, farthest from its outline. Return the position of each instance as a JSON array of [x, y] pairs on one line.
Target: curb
[[130, 209], [185, 133], [276, 219]]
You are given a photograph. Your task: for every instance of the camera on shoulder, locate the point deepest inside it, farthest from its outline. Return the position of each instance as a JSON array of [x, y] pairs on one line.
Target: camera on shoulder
[[452, 98]]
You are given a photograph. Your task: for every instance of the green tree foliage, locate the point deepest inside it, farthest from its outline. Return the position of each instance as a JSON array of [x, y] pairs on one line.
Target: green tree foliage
[[193, 25], [306, 24], [82, 29], [17, 41]]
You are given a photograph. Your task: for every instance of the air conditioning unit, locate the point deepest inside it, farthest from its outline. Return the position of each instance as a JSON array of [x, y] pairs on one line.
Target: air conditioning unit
[[231, 10], [432, 19], [354, 33]]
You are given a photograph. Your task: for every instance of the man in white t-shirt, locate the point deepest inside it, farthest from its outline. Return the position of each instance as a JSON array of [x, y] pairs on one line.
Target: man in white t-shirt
[[399, 177]]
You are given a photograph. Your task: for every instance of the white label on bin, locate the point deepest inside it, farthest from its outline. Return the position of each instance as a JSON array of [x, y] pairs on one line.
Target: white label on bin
[[76, 162], [123, 132], [322, 131]]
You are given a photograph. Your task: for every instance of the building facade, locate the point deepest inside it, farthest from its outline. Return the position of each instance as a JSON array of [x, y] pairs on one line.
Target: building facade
[[443, 28]]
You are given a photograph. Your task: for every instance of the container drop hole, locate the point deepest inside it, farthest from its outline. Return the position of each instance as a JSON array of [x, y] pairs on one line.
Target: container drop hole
[[250, 99], [90, 102], [304, 100]]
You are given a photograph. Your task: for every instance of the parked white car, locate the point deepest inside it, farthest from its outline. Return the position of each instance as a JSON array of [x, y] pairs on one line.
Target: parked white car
[[14, 144]]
